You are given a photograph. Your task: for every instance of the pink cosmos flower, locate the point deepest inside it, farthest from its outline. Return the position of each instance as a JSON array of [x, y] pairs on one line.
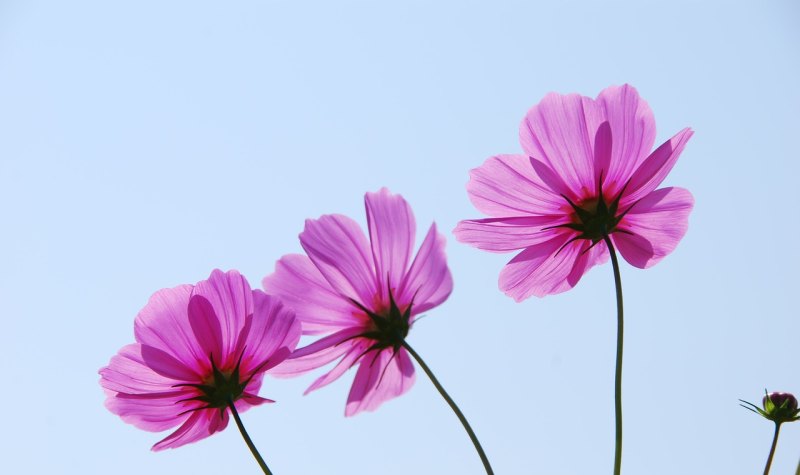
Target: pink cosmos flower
[[587, 171], [363, 295], [198, 349]]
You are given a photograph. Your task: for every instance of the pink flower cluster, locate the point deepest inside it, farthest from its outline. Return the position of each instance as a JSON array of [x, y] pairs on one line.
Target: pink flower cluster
[[587, 175], [199, 348]]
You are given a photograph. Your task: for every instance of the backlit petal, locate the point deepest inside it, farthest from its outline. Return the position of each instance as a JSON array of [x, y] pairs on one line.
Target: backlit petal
[[139, 395], [127, 372], [198, 426], [560, 132], [352, 355], [153, 413], [207, 329], [658, 222], [232, 300], [318, 353], [428, 281], [380, 378], [507, 234], [632, 132], [249, 400], [164, 324], [162, 363], [339, 249], [301, 286], [391, 233], [655, 167], [508, 185], [273, 334], [544, 270]]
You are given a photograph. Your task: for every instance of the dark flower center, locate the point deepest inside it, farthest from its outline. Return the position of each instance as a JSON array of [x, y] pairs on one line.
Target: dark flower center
[[387, 329], [594, 218], [220, 389]]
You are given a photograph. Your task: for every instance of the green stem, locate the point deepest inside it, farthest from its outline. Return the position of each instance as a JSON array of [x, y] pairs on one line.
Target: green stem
[[454, 407], [772, 449], [618, 372], [247, 439]]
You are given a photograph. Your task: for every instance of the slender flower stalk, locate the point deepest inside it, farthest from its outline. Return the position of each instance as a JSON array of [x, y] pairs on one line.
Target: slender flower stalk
[[247, 439], [618, 370], [779, 408], [772, 448], [454, 407]]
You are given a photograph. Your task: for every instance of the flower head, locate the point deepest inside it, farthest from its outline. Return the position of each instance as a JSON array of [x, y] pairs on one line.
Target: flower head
[[779, 401], [777, 407], [587, 172], [363, 295], [199, 348]]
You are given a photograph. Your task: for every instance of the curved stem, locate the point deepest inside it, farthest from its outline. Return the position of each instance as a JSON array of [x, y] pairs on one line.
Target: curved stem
[[618, 371], [454, 407], [247, 439], [772, 449]]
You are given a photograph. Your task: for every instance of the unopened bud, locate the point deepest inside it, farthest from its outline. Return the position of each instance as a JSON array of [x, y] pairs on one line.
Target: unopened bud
[[781, 406], [776, 406]]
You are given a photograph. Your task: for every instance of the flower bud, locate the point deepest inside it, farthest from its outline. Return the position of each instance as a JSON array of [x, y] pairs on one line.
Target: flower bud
[[781, 406], [777, 406]]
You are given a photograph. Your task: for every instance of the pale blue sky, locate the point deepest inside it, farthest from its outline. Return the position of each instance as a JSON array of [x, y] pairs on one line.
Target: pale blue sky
[[143, 144]]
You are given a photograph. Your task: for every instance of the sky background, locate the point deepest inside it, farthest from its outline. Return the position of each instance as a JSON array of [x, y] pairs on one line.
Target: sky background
[[143, 144]]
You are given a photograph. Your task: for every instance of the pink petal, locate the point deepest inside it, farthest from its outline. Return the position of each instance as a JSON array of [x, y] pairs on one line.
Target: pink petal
[[544, 270], [152, 412], [560, 131], [206, 327], [556, 183], [164, 324], [249, 400], [658, 222], [507, 185], [630, 136], [232, 300], [380, 378], [655, 168], [139, 395], [595, 256], [219, 422], [356, 351], [603, 148], [507, 234], [319, 353], [428, 281], [127, 372], [255, 384], [273, 334], [199, 425], [301, 286], [337, 246], [391, 233], [162, 363]]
